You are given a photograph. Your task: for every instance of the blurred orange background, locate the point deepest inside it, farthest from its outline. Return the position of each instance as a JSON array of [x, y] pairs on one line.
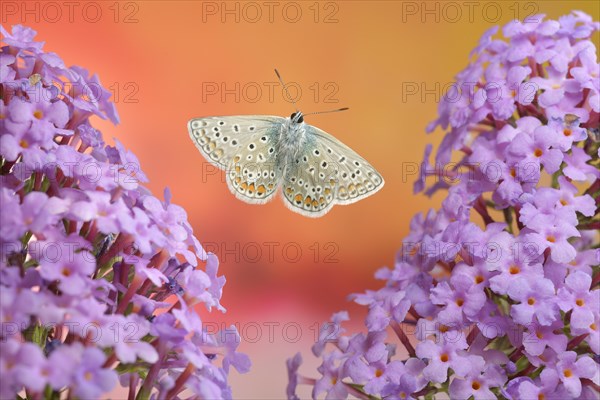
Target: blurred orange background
[[169, 61]]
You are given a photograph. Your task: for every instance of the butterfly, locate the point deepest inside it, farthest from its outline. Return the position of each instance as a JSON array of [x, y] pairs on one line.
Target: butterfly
[[264, 154]]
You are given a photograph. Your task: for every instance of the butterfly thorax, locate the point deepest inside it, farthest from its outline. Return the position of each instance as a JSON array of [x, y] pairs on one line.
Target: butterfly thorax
[[292, 138]]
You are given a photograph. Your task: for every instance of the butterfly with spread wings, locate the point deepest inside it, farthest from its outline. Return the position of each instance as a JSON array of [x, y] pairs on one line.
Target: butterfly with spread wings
[[263, 154]]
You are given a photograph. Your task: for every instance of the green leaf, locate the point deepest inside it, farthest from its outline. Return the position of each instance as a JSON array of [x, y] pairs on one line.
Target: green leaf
[[141, 370], [37, 334]]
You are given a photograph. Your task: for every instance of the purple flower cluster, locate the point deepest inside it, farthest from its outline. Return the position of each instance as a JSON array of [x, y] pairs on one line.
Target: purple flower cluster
[[496, 295], [99, 279]]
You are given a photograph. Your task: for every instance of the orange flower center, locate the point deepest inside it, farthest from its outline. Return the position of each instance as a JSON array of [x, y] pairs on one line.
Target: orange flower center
[[444, 357], [531, 301], [476, 385], [567, 373], [538, 152], [539, 335]]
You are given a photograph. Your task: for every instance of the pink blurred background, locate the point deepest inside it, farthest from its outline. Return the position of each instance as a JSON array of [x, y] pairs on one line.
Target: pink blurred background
[[167, 62]]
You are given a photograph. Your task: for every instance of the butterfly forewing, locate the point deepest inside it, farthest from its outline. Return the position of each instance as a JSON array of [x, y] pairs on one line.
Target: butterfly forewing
[[245, 146], [354, 177], [220, 138]]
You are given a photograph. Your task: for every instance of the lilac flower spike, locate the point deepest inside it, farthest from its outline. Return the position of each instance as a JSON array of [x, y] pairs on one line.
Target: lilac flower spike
[[92, 286], [497, 294]]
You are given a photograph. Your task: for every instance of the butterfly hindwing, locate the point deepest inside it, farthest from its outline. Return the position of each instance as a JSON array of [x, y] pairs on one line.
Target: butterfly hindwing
[[309, 185], [253, 175], [245, 147]]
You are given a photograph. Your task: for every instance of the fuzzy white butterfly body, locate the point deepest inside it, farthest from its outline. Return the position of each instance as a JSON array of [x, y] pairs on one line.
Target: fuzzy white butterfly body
[[262, 154]]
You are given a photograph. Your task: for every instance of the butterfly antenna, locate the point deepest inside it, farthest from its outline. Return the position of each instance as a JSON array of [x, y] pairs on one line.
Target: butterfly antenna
[[329, 111], [286, 91]]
